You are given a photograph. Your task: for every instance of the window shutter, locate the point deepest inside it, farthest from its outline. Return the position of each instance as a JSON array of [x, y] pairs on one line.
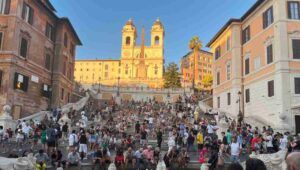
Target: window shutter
[[7, 7], [272, 16], [24, 11], [31, 14], [270, 54], [296, 49], [25, 84], [1, 37], [264, 20], [47, 30], [289, 10], [16, 80], [298, 10], [53, 34], [271, 88], [297, 85], [23, 49]]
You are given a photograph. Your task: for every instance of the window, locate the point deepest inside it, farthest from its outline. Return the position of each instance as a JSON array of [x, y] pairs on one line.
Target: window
[[156, 40], [270, 88], [218, 102], [228, 99], [62, 93], [228, 44], [297, 85], [106, 74], [294, 10], [66, 40], [48, 61], [4, 6], [50, 32], [218, 78], [1, 37], [27, 13], [46, 90], [21, 82], [256, 63], [268, 17], [217, 52], [228, 71], [247, 66], [246, 35], [24, 47], [127, 41], [156, 70], [247, 92], [269, 54], [106, 67], [296, 49], [1, 76]]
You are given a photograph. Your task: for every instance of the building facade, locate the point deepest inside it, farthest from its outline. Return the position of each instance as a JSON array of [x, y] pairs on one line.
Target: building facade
[[256, 64], [202, 69], [139, 64], [36, 57]]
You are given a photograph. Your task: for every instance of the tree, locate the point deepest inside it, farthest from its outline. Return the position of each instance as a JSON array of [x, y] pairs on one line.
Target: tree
[[207, 80], [171, 77], [195, 45]]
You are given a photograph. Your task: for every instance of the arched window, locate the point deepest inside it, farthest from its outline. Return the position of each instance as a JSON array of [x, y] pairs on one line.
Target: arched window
[[127, 40], [156, 40]]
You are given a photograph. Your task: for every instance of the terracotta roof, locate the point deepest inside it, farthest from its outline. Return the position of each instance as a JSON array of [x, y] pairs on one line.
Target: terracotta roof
[[252, 9]]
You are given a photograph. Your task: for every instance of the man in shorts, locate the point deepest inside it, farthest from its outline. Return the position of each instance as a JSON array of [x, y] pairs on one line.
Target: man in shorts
[[73, 159]]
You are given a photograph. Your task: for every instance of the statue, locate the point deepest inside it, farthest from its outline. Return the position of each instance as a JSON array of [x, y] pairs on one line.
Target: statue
[[6, 111]]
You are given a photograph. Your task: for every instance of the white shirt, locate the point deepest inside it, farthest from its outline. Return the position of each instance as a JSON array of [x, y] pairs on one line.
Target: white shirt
[[210, 128], [26, 129], [72, 139], [235, 149], [151, 120], [269, 142], [283, 143]]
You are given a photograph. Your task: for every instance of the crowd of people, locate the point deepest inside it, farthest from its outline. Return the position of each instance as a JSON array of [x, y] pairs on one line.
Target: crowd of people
[[146, 135]]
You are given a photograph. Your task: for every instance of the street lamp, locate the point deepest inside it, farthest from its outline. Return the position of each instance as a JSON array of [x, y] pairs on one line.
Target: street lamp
[[118, 92], [240, 114]]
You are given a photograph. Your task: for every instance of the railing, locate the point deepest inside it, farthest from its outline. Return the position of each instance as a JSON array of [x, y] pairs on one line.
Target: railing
[[140, 89]]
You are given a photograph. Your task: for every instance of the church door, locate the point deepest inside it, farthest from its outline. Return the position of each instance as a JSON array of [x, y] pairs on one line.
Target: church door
[[297, 123]]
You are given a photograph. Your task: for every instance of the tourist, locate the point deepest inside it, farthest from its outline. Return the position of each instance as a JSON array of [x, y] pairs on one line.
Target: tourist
[[221, 157], [129, 159], [56, 157], [65, 131], [159, 138], [143, 137], [269, 140], [73, 159], [138, 156], [73, 139], [292, 161], [97, 157], [234, 166], [235, 150], [255, 164], [51, 138], [283, 142], [20, 138], [41, 160], [119, 159], [228, 136], [83, 145], [200, 140]]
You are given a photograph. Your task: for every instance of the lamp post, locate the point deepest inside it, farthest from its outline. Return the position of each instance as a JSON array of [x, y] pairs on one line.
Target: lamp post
[[118, 92], [240, 114]]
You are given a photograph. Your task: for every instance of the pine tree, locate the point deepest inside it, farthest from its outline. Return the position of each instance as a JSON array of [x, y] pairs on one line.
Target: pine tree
[[171, 77]]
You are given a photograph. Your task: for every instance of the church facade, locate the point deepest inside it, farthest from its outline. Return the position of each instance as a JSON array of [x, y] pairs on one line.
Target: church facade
[[139, 65]]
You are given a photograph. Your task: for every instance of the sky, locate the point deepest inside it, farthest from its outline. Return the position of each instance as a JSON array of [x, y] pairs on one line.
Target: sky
[[99, 22]]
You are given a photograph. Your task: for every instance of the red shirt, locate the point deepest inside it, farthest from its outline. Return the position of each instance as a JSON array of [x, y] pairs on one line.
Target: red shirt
[[254, 141]]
